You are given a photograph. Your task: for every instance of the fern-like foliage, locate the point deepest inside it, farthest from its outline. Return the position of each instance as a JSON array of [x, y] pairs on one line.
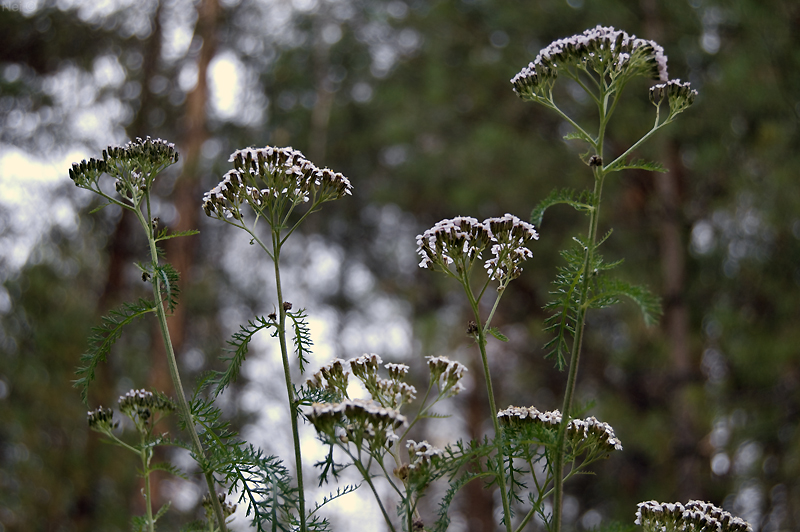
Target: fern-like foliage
[[609, 291], [455, 458], [264, 485], [103, 338], [239, 343], [302, 336], [164, 234], [168, 278], [566, 290], [580, 201], [638, 164]]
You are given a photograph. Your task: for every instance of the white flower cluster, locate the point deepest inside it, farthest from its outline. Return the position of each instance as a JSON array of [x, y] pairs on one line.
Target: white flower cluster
[[397, 392], [265, 177], [694, 516], [447, 374], [680, 95], [422, 455], [578, 430], [510, 235], [461, 241], [332, 376], [102, 419], [357, 420], [366, 366], [604, 49], [141, 402], [132, 164]]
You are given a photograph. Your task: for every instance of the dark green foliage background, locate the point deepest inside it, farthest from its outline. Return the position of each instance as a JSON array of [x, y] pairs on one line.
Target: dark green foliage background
[[470, 147]]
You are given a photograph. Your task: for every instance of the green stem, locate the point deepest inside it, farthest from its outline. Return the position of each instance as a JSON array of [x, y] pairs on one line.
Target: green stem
[[298, 457], [146, 473], [183, 405], [558, 467], [365, 474], [501, 472]]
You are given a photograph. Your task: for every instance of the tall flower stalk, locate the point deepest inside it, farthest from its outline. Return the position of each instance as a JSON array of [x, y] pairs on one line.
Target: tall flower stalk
[[454, 247], [601, 61], [274, 183], [134, 167]]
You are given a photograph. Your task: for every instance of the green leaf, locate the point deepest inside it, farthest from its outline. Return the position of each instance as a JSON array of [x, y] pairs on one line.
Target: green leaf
[[565, 305], [168, 278], [302, 336], [240, 342], [494, 331], [579, 201], [163, 510], [638, 164], [169, 468], [608, 292], [164, 234], [575, 135], [103, 338]]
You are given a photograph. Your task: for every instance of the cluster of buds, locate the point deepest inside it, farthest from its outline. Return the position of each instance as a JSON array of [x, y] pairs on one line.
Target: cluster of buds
[[607, 51], [694, 516], [141, 405], [581, 433], [393, 392], [102, 420], [397, 372], [360, 420], [461, 241], [134, 165], [365, 368], [228, 508], [510, 235], [447, 374], [423, 456], [331, 377], [680, 95], [270, 180]]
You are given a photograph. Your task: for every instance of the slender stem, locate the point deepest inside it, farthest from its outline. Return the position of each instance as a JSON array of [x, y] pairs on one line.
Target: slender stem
[[146, 473], [594, 214], [183, 405], [501, 471], [365, 474], [298, 457]]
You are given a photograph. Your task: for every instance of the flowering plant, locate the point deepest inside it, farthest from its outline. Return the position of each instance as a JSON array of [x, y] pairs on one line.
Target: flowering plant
[[529, 454]]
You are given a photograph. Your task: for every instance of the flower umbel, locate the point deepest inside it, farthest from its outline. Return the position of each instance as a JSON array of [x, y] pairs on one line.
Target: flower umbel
[[460, 241], [611, 53], [133, 165], [694, 516], [581, 433], [272, 181], [680, 95]]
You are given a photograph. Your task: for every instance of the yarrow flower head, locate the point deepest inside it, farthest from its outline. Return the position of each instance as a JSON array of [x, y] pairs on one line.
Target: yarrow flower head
[[694, 516], [510, 236], [447, 374], [458, 241], [102, 420], [581, 433], [361, 421], [142, 405], [461, 241], [332, 377], [609, 52], [134, 166], [272, 180], [680, 95]]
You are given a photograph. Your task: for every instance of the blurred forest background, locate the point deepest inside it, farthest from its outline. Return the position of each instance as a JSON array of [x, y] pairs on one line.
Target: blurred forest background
[[411, 100]]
